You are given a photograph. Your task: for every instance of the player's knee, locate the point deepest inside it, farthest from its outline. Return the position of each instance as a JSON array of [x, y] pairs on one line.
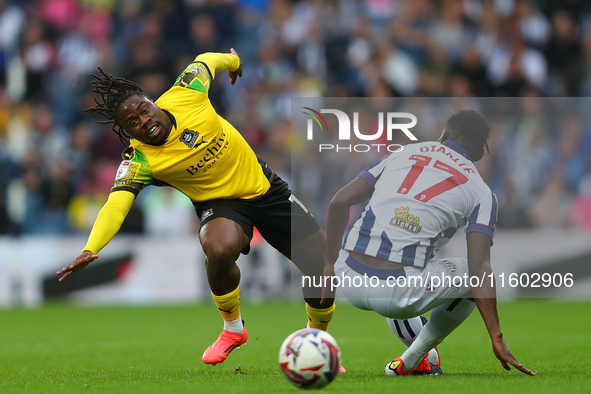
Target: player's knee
[[220, 254]]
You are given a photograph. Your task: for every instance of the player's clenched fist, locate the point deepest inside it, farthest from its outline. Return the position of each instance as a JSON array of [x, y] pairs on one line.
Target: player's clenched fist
[[236, 73]]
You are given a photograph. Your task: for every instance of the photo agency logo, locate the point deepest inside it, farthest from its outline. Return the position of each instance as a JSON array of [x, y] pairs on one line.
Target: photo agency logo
[[392, 125]]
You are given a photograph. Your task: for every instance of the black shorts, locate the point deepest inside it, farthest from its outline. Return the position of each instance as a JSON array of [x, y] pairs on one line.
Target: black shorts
[[277, 214]]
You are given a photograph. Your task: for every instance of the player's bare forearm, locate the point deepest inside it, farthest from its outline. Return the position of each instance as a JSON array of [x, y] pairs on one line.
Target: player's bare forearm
[[486, 298], [485, 294], [336, 222], [337, 219], [338, 216], [353, 193], [486, 302]]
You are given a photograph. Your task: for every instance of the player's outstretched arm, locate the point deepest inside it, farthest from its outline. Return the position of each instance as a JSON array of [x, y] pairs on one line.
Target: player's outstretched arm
[[218, 62], [107, 224], [486, 298]]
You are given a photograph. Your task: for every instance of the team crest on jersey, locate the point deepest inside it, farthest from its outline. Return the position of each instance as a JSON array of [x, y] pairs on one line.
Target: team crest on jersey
[[406, 221], [191, 138]]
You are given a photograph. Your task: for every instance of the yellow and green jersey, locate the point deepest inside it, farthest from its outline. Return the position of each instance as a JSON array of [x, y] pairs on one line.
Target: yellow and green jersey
[[204, 157]]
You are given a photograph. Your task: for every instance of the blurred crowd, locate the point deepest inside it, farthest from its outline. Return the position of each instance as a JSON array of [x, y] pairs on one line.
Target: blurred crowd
[[57, 165]]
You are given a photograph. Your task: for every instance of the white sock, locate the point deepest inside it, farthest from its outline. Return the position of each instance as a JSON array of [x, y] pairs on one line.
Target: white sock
[[441, 323], [234, 325], [406, 330], [415, 353]]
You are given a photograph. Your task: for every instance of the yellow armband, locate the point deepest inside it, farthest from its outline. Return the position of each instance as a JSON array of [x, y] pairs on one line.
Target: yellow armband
[[109, 220]]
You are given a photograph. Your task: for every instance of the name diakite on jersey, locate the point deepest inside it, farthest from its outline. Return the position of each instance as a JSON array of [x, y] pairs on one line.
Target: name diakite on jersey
[[448, 153]]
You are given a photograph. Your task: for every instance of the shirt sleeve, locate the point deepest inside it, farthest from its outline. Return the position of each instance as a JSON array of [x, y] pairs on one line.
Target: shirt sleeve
[[199, 74], [109, 220], [134, 172], [484, 216], [372, 173]]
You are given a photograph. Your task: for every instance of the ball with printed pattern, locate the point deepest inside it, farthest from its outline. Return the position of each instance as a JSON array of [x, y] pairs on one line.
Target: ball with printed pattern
[[310, 358]]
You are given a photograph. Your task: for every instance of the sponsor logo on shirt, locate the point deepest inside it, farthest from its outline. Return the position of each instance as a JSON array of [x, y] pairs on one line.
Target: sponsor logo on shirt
[[213, 152], [406, 221], [449, 266]]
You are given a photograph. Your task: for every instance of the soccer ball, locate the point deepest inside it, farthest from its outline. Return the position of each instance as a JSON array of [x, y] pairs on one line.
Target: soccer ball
[[310, 358]]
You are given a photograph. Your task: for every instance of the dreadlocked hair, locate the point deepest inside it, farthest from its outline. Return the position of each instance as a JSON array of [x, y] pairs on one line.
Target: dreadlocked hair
[[113, 91]]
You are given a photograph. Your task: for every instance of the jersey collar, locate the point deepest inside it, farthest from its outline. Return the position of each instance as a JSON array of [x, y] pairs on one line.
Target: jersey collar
[[171, 117], [458, 148]]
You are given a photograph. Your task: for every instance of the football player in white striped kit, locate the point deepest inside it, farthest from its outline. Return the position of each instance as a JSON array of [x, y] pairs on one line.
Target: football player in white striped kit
[[418, 198]]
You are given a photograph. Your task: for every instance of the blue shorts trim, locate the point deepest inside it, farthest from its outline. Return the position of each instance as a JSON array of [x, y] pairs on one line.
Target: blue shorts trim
[[380, 273]]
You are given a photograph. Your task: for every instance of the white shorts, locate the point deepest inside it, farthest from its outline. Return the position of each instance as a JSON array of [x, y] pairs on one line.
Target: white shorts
[[402, 293]]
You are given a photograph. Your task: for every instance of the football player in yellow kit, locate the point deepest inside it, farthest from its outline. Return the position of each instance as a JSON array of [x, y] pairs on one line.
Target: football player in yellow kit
[[180, 141]]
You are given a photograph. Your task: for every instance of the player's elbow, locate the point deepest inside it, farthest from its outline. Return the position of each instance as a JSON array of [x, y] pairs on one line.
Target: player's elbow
[[478, 267], [340, 201]]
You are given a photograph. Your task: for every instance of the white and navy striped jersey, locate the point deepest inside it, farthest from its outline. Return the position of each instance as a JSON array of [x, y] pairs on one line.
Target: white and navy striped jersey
[[421, 197]]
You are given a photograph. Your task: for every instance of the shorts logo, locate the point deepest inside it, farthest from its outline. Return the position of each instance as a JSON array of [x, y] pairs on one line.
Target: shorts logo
[[449, 266], [190, 137], [406, 221], [123, 169], [207, 214]]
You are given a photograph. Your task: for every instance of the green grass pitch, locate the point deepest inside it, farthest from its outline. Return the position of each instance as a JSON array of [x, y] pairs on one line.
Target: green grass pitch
[[65, 349]]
